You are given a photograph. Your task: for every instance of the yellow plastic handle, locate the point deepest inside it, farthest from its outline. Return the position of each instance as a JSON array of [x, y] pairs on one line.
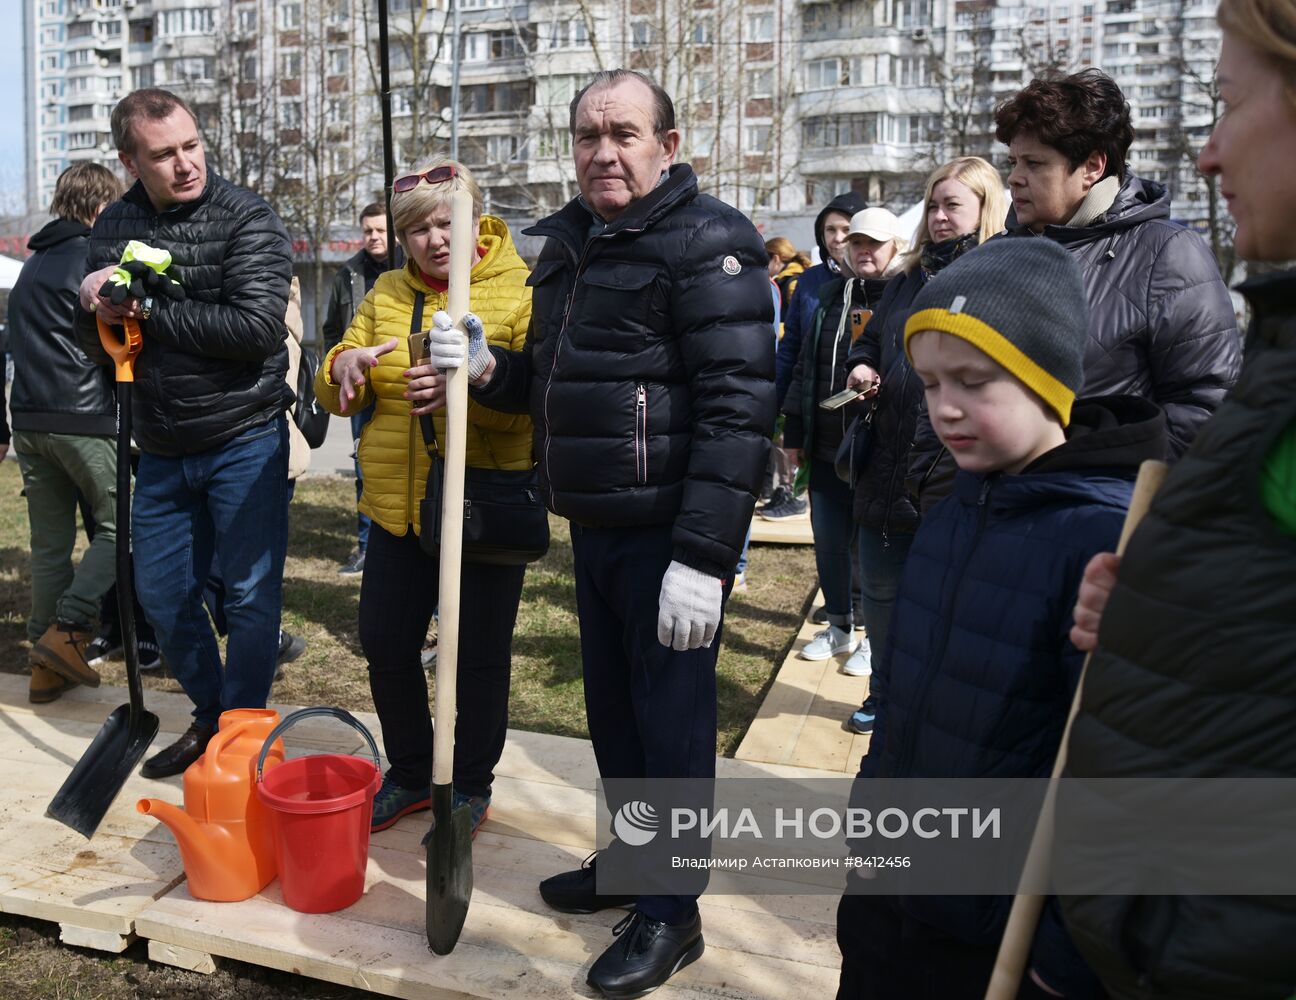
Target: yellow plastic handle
[[122, 349]]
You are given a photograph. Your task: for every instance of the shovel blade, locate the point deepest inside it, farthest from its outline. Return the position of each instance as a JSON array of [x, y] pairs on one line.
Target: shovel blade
[[99, 775], [449, 871]]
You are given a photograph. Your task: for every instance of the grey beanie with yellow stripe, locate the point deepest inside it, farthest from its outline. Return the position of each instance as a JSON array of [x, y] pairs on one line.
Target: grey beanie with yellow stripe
[[1021, 301]]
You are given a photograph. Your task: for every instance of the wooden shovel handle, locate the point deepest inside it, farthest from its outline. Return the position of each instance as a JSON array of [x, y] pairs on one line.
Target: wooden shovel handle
[[1023, 918], [463, 242]]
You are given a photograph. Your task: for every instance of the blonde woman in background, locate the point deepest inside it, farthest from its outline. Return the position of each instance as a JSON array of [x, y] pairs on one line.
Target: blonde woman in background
[[965, 207]]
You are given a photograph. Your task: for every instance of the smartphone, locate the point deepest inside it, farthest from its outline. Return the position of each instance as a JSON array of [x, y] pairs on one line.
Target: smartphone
[[845, 396], [418, 348]]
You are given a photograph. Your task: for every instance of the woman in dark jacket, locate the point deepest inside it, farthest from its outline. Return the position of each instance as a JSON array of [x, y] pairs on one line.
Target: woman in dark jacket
[[1161, 323], [965, 206], [845, 304], [1193, 677]]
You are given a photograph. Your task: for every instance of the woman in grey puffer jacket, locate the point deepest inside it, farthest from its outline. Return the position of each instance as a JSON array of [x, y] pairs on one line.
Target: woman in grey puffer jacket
[[1161, 323]]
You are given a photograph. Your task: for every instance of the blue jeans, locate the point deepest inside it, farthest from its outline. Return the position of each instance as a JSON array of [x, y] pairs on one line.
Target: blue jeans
[[741, 568], [881, 565], [358, 420], [228, 503], [832, 520]]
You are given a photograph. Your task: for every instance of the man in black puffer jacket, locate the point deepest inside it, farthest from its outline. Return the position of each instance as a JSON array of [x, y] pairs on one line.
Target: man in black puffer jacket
[[1161, 323], [649, 373], [64, 417], [209, 398]]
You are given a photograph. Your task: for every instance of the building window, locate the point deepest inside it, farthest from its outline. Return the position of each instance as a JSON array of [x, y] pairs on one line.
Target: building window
[[290, 64], [339, 62], [824, 74], [641, 34], [760, 27], [703, 31], [831, 131], [194, 21], [506, 45], [290, 115], [756, 138], [504, 149], [760, 82], [474, 48], [247, 20], [290, 16]]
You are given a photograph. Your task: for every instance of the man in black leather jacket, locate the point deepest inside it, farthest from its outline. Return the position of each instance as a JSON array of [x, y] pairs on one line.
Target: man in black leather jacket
[[649, 373], [209, 398], [64, 417], [350, 285]]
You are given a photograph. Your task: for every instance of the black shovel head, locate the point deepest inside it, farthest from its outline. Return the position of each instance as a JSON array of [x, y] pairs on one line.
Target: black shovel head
[[103, 769], [449, 871]]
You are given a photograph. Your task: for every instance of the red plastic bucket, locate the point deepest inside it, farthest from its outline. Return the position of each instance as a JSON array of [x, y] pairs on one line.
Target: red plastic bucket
[[321, 808]]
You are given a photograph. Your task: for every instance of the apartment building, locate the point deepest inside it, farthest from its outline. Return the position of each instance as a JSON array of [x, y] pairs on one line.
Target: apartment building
[[782, 103]]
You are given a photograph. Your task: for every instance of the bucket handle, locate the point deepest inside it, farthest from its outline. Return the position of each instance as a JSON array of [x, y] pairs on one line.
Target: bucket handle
[[341, 714]]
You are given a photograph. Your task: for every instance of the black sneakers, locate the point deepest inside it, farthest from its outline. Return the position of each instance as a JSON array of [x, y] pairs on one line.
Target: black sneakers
[[646, 953], [574, 891], [785, 509]]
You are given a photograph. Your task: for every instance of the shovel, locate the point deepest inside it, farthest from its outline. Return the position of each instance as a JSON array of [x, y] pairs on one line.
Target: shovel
[[449, 862], [1023, 918], [109, 760]]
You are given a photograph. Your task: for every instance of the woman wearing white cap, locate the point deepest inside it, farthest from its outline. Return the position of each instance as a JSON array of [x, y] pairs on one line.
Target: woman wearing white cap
[[965, 206], [874, 245]]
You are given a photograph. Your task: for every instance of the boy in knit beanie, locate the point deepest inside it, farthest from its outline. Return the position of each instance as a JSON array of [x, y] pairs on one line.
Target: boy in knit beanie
[[979, 670]]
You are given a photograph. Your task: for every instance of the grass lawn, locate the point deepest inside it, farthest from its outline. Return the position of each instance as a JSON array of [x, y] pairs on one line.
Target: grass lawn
[[546, 688]]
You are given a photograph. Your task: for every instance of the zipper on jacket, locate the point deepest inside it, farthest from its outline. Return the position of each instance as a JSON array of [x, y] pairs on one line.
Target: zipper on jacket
[[641, 434], [934, 663], [558, 341]]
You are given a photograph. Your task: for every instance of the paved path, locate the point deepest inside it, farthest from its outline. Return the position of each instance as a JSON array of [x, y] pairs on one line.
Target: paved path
[[333, 457]]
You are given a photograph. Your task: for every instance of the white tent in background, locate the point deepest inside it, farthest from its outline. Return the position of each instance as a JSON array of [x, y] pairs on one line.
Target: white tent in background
[[9, 271]]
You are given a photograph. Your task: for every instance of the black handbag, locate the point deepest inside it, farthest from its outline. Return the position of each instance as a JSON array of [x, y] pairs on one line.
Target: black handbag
[[505, 521], [853, 452]]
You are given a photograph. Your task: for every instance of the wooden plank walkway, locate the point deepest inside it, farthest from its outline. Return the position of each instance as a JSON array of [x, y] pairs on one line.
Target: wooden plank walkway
[[802, 719], [128, 880], [791, 532]]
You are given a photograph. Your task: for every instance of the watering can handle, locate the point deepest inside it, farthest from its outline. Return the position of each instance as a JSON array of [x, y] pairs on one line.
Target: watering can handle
[[340, 714], [124, 348]]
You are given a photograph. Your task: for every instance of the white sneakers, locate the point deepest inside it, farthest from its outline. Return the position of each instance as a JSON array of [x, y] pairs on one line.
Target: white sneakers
[[829, 642], [861, 662]]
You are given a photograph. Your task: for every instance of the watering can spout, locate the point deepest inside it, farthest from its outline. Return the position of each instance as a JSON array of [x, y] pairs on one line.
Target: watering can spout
[[200, 843]]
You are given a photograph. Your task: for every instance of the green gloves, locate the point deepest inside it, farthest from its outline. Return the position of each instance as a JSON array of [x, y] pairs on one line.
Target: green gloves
[[141, 273]]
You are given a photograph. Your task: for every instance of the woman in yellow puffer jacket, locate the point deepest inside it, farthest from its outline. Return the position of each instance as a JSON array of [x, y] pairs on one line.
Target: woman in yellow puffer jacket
[[398, 593]]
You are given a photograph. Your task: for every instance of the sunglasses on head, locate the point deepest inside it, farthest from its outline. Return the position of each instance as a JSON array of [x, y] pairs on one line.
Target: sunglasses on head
[[437, 175]]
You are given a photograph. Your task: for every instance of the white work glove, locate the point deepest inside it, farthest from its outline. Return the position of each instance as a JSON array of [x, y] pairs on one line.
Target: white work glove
[[446, 345], [688, 610]]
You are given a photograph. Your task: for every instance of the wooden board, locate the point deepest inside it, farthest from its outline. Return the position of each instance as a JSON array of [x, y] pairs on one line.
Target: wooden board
[[128, 879], [794, 531], [802, 719], [94, 889]]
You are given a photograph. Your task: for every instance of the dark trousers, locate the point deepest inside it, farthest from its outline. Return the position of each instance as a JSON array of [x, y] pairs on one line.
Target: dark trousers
[[832, 522], [398, 595], [651, 710], [888, 955]]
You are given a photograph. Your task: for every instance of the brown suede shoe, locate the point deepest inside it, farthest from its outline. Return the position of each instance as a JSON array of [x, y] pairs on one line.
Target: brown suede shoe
[[46, 686], [63, 649]]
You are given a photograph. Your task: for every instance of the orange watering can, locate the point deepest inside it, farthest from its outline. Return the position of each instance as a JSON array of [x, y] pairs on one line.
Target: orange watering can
[[225, 832]]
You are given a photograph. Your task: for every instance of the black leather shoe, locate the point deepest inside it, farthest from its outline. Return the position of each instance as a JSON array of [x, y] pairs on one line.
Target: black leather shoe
[[573, 892], [180, 754], [646, 953]]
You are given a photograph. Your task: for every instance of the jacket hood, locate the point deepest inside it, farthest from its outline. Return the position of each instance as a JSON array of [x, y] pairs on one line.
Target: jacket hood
[[1114, 433], [57, 231], [848, 204], [1138, 201], [501, 254]]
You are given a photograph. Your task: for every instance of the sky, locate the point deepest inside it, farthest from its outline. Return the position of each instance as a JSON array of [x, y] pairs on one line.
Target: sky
[[12, 149]]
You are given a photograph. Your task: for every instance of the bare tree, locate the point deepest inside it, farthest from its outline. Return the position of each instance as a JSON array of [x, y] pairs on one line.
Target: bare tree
[[1198, 98]]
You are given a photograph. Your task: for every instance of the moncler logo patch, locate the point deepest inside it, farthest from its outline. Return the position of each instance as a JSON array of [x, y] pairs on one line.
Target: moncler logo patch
[[731, 265]]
